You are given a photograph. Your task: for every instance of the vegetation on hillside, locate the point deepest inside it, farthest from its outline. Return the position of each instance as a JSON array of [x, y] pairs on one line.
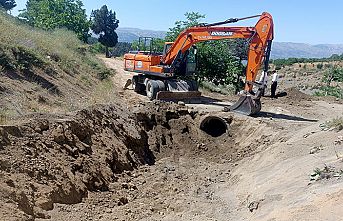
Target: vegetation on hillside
[[44, 69], [50, 15], [25, 47], [279, 63]]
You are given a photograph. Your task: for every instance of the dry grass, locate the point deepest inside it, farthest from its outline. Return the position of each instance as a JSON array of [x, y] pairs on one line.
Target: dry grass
[[336, 124], [104, 93], [59, 47], [58, 57]]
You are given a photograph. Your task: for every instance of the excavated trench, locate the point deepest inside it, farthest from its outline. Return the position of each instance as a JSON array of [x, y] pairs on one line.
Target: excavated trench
[[47, 161]]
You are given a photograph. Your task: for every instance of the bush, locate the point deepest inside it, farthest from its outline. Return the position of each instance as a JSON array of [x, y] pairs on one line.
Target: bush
[[97, 48], [105, 74], [330, 91], [333, 74], [320, 65]]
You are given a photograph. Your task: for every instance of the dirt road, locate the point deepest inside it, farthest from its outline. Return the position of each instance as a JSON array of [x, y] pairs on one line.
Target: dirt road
[[260, 169]]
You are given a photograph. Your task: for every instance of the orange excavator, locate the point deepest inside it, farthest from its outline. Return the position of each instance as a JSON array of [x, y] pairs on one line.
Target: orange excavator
[[168, 75]]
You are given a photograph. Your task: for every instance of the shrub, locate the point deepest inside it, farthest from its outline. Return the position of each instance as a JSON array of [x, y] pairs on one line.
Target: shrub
[[105, 74], [330, 91], [333, 74], [97, 48]]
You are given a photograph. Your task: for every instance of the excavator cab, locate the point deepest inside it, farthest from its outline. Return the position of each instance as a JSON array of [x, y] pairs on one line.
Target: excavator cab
[[186, 63], [167, 46]]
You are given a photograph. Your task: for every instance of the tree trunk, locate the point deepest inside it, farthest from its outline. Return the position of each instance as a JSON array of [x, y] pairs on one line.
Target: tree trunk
[[107, 53]]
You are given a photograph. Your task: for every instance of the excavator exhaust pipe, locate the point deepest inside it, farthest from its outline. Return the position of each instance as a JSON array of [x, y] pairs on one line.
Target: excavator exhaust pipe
[[247, 105]]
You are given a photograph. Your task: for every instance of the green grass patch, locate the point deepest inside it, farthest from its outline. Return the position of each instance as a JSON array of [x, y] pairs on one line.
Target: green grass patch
[[330, 91]]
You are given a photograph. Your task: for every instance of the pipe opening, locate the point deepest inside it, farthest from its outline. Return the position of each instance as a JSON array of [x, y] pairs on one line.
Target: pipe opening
[[214, 126]]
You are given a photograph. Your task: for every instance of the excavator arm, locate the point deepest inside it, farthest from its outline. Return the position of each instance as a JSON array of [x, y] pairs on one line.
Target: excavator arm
[[260, 39]]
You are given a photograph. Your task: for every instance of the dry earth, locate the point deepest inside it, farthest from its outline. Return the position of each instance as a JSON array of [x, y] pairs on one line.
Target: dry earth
[[141, 160]]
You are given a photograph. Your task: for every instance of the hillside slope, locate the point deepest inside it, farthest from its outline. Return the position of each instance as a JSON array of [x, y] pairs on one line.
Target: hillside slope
[[44, 71]]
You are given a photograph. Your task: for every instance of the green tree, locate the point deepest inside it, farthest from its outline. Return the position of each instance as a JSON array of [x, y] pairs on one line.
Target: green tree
[[50, 15], [192, 19], [239, 48], [104, 24], [333, 74], [7, 4], [217, 64]]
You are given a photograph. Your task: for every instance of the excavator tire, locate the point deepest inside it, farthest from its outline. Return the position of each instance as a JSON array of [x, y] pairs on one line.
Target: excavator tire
[[247, 105], [152, 87], [161, 85]]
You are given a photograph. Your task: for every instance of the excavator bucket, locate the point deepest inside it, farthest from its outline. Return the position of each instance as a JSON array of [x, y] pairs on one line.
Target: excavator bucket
[[247, 105]]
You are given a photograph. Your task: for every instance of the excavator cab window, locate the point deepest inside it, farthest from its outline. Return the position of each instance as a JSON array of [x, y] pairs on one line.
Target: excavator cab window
[[167, 46], [186, 62], [146, 46], [191, 61]]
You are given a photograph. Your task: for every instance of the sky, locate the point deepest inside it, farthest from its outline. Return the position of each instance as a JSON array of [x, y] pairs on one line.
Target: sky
[[302, 21]]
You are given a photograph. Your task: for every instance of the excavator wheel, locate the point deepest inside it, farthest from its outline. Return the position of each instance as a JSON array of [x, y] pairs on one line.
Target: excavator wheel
[[247, 105], [151, 89]]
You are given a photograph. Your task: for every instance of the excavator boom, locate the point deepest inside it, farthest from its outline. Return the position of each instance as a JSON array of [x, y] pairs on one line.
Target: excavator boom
[[161, 68]]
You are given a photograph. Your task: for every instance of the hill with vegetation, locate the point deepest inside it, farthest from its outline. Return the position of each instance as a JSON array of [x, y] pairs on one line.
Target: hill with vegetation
[[45, 71], [132, 34]]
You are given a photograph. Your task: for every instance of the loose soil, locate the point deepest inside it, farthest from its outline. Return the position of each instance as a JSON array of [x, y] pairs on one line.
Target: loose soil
[[143, 160]]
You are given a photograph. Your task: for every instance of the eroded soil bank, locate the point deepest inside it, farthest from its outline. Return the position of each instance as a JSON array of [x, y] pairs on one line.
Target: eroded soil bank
[[49, 159]]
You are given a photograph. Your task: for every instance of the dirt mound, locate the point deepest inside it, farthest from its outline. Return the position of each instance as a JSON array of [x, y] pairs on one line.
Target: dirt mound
[[59, 160], [296, 95], [54, 160]]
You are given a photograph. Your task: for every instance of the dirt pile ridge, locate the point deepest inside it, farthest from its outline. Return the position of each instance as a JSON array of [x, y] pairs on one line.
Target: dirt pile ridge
[[61, 160], [58, 160]]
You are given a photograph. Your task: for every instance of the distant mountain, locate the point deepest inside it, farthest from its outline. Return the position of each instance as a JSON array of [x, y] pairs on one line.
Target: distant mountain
[[131, 34], [301, 50], [279, 49]]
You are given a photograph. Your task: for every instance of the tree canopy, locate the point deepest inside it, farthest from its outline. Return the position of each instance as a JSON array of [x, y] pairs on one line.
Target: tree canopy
[[104, 24], [7, 4], [49, 15], [192, 19]]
